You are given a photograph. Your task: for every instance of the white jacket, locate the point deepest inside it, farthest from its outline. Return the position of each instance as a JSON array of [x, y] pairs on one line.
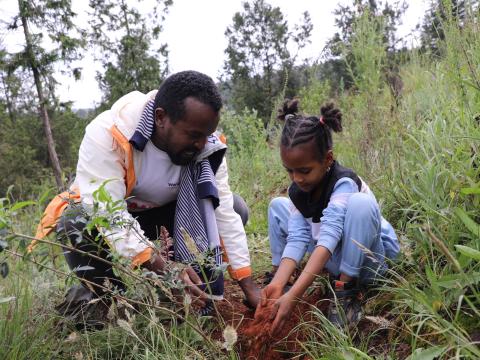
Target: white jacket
[[101, 159]]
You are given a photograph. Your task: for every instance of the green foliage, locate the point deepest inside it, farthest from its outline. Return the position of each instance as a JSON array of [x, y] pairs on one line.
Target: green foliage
[[441, 12], [257, 56], [25, 328], [384, 16], [314, 95], [24, 155], [129, 61], [56, 19], [418, 153]]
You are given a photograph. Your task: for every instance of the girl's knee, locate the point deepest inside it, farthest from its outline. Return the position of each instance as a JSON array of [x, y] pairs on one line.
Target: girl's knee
[[278, 204], [363, 206]]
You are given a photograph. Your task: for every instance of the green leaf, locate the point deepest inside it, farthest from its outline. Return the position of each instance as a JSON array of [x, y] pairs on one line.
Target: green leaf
[[427, 354], [470, 191], [458, 280], [45, 195], [468, 221], [21, 204], [468, 251]]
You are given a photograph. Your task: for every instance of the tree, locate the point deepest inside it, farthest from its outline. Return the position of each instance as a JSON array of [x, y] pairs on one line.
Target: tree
[[439, 13], [55, 18], [345, 17], [257, 54], [7, 81], [124, 37], [386, 17]]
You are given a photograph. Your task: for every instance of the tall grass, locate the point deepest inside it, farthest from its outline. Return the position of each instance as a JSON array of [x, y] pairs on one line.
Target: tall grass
[[420, 156], [26, 316]]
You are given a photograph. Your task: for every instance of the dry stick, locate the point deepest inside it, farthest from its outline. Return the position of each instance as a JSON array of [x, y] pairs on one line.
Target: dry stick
[[83, 253], [121, 268], [171, 312], [113, 265], [443, 248]]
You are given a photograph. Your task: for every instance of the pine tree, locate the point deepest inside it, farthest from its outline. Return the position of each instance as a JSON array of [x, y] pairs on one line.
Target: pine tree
[[55, 18], [257, 54], [124, 36]]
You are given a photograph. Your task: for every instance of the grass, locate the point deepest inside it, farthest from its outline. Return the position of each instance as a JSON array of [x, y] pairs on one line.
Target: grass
[[418, 157]]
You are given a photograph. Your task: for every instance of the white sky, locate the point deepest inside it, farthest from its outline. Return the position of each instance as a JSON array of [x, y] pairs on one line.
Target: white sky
[[194, 31]]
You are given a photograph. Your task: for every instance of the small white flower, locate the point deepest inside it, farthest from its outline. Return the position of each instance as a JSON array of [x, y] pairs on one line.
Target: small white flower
[[72, 337], [380, 321], [230, 336]]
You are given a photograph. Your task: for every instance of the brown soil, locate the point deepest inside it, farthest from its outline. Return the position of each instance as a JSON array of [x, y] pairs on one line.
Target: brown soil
[[254, 339], [255, 342]]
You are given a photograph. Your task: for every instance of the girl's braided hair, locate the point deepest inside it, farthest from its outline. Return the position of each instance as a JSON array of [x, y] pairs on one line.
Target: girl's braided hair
[[300, 129]]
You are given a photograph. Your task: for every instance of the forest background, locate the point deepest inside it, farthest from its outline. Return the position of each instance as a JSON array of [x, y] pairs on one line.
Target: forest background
[[411, 119]]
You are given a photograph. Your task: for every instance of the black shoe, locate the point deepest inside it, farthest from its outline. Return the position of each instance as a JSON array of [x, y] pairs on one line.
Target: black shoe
[[84, 309], [345, 309]]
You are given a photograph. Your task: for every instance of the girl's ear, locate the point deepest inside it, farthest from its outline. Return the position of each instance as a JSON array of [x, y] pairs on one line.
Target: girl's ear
[[329, 158]]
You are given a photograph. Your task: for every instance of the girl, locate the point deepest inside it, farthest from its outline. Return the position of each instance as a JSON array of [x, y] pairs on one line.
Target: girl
[[331, 213]]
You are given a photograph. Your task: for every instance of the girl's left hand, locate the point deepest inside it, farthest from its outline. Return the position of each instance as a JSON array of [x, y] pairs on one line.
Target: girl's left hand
[[281, 311]]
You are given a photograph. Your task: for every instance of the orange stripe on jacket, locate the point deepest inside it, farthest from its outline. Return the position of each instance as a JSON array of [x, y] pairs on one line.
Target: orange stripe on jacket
[[56, 207], [237, 274]]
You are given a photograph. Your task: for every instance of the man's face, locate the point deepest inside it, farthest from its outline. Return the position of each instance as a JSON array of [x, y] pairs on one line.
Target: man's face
[[185, 138]]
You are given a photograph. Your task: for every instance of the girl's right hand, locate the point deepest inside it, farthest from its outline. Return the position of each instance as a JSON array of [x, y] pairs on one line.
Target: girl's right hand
[[269, 293]]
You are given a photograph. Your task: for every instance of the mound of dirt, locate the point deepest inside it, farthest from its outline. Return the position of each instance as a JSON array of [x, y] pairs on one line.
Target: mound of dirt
[[255, 341]]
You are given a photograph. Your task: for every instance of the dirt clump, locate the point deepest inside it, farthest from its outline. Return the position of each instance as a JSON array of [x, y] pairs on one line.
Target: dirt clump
[[254, 338]]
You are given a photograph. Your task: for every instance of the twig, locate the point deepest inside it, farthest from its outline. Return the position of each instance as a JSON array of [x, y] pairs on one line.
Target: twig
[[171, 312], [93, 256], [444, 249]]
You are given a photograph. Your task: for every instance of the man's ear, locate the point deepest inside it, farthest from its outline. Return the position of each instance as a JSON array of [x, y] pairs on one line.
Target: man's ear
[[160, 117]]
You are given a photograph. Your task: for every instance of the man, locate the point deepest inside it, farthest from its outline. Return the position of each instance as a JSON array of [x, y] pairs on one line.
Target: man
[[158, 153]]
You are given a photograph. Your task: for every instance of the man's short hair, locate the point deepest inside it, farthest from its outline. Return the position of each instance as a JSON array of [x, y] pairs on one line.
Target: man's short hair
[[177, 87]]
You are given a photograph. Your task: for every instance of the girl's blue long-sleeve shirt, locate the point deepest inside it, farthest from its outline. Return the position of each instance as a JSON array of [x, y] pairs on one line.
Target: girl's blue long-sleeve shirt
[[304, 235]]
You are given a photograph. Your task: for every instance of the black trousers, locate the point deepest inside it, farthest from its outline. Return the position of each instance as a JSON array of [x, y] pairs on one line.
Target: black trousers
[[71, 229]]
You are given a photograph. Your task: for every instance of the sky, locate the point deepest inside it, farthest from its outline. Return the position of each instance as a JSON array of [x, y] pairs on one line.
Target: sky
[[194, 31]]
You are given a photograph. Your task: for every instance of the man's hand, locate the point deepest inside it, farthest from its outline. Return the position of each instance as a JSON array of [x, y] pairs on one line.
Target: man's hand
[[192, 286], [188, 276], [251, 291], [281, 311]]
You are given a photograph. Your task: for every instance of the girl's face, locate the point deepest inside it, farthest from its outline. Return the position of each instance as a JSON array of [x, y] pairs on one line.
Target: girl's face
[[303, 165]]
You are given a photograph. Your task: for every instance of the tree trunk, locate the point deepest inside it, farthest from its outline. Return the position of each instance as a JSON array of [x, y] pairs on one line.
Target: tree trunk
[[42, 106], [11, 113]]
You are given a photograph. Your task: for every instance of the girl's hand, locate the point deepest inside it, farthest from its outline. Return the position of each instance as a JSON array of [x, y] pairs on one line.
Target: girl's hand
[[281, 311], [270, 292]]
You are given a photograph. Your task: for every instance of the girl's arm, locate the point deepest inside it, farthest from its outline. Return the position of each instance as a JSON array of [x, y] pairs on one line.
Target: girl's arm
[[284, 272], [314, 266], [298, 239], [282, 307]]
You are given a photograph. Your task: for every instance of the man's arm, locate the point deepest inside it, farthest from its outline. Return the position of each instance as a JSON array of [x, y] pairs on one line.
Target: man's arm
[[231, 228], [100, 163]]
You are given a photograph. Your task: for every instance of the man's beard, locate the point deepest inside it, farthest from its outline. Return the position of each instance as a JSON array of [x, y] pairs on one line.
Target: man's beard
[[183, 157]]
